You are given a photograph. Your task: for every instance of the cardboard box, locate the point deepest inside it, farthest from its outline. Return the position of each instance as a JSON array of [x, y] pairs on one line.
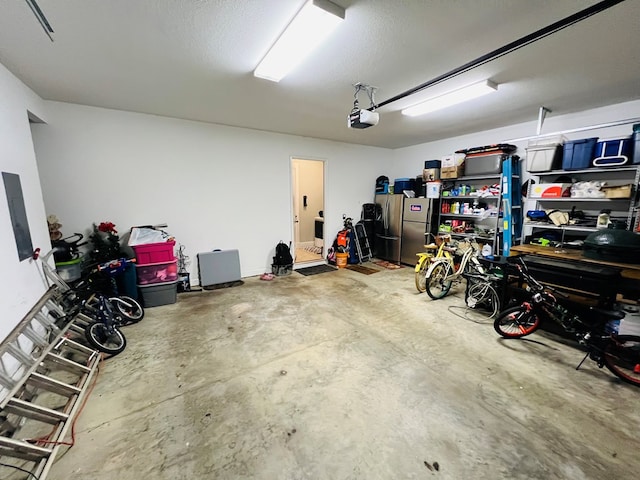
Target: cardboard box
[[622, 191], [452, 172], [453, 160], [452, 166], [550, 190]]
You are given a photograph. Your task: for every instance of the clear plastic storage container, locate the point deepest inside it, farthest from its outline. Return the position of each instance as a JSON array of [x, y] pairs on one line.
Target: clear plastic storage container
[[545, 154]]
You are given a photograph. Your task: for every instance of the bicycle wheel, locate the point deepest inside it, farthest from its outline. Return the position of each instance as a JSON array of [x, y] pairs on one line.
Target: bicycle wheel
[[108, 342], [516, 322], [435, 283], [129, 308], [421, 275], [622, 358], [482, 296]]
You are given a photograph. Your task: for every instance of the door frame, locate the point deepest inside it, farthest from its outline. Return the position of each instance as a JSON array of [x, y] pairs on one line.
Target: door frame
[[295, 205]]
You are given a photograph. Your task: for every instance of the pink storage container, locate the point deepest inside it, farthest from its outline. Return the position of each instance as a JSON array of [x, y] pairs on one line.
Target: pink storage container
[[157, 273], [154, 252]]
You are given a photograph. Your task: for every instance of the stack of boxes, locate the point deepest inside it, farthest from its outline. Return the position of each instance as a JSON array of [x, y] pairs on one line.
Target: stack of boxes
[[157, 273], [452, 166]]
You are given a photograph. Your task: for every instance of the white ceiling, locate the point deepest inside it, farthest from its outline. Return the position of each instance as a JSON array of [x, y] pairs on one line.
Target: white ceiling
[[194, 60]]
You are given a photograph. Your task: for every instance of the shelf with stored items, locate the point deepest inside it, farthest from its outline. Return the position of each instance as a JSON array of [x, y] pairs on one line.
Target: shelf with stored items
[[472, 206], [483, 218], [585, 195]]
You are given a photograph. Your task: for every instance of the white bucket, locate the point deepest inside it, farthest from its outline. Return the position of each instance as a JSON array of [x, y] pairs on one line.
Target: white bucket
[[433, 189]]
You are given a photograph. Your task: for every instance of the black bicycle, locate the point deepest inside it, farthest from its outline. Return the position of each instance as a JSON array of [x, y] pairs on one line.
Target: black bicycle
[[619, 353], [102, 333], [101, 278]]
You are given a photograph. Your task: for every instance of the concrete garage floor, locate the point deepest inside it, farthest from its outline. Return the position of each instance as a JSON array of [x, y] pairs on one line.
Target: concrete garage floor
[[347, 376]]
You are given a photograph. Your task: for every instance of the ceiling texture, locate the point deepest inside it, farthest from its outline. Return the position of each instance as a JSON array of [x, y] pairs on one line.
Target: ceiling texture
[[195, 60]]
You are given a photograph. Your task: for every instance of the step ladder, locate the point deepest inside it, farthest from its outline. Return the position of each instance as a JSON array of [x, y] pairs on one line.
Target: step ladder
[[511, 203], [44, 377], [362, 242]]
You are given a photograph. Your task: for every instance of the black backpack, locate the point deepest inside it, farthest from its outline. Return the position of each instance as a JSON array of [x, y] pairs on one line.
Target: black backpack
[[283, 255]]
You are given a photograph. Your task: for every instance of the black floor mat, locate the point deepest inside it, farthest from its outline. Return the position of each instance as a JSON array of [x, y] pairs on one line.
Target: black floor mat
[[316, 269], [218, 286], [362, 269]]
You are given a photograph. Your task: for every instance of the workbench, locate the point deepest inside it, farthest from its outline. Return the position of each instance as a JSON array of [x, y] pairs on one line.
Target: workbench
[[569, 268]]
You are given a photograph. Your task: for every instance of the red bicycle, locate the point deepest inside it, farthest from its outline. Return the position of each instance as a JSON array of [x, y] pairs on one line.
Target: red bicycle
[[619, 353]]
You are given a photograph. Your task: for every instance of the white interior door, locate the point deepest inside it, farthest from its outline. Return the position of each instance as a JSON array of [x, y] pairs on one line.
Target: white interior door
[[295, 171], [307, 189]]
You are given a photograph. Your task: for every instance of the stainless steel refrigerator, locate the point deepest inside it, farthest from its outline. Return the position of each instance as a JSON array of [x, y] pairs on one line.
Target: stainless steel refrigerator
[[419, 218], [388, 226]]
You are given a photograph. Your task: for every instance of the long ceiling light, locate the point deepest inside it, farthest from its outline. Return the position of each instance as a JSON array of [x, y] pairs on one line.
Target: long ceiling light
[[451, 98], [309, 28]]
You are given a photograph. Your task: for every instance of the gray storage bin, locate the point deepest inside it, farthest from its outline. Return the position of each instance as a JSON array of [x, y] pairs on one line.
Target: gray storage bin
[[484, 164], [157, 294], [544, 158], [545, 154], [218, 267]]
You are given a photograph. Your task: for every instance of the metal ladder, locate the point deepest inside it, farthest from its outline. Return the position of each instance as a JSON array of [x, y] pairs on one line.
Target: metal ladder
[[44, 377], [362, 242]]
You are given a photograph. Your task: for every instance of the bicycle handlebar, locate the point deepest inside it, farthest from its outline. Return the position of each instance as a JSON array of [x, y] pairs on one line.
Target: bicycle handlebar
[[113, 267], [524, 270], [47, 255]]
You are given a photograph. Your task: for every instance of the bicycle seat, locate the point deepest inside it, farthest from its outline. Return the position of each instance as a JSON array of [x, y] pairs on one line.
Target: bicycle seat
[[443, 238]]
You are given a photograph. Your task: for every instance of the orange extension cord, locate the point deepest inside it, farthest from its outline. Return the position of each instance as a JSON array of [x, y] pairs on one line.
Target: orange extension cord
[[45, 440]]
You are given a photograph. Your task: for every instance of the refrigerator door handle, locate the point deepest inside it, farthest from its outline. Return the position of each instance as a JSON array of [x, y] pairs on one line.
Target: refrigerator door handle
[[386, 214]]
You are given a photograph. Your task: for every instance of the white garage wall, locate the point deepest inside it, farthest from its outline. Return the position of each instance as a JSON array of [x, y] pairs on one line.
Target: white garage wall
[[21, 283], [409, 160], [215, 186]]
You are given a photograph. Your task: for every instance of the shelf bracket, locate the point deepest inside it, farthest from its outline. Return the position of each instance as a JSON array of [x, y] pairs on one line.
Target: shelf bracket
[[542, 113]]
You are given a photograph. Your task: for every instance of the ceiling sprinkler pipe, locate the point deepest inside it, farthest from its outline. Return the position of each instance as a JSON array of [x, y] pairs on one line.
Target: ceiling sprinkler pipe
[[510, 47]]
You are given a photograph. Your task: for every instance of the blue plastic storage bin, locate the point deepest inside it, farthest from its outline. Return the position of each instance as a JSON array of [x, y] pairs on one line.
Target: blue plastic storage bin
[[432, 163], [578, 153], [613, 153], [401, 184]]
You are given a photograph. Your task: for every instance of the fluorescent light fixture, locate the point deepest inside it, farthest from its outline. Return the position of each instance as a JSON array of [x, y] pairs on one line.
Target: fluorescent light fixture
[[313, 23], [452, 98]]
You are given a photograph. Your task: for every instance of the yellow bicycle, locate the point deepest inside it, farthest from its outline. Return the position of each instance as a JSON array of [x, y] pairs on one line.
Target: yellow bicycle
[[443, 272], [425, 259]]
